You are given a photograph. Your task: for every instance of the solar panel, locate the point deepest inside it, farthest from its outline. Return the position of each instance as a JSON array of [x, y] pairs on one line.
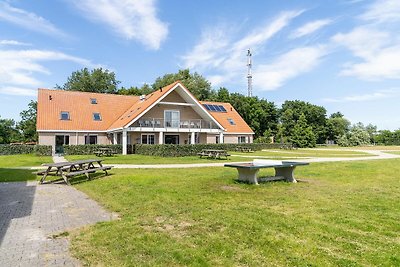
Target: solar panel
[[216, 108]]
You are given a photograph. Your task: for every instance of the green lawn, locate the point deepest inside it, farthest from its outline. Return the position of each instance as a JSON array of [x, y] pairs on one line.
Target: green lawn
[[342, 214], [144, 159], [16, 175], [24, 160], [304, 152]]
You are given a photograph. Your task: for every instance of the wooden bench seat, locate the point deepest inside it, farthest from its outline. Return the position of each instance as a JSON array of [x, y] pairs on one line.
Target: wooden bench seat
[[92, 170]]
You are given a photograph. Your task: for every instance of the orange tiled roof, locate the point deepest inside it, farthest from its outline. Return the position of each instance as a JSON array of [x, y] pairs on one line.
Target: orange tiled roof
[[222, 118], [52, 102], [117, 111]]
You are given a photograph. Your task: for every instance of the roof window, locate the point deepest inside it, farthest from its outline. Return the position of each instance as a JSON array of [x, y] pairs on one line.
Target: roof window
[[97, 116], [231, 121], [64, 115], [93, 100]]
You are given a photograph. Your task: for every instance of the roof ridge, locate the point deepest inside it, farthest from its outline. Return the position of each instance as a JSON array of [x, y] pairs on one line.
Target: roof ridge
[[82, 92]]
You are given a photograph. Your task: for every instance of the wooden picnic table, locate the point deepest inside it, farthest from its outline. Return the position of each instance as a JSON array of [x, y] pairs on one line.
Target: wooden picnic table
[[247, 172], [213, 153], [104, 151], [72, 168]]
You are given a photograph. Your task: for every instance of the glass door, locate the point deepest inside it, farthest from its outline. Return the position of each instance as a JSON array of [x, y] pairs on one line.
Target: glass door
[[172, 118]]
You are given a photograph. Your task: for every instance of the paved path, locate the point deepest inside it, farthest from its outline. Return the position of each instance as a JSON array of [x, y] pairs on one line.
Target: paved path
[[58, 158], [29, 217]]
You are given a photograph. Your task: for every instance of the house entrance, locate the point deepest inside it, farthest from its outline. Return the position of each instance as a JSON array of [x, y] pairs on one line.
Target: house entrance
[[171, 139], [60, 141]]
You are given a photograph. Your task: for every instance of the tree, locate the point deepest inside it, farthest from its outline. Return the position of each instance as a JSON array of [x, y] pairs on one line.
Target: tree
[[357, 136], [96, 81], [195, 83], [315, 117], [8, 132], [144, 90], [302, 134], [337, 126], [27, 125]]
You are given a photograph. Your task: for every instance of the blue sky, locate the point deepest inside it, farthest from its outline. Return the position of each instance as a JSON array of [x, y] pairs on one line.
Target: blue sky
[[343, 55]]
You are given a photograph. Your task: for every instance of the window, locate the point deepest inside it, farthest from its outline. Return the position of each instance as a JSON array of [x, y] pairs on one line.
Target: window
[[172, 118], [93, 101], [231, 121], [241, 139], [96, 116], [217, 139], [90, 139], [148, 139], [216, 108], [64, 115]]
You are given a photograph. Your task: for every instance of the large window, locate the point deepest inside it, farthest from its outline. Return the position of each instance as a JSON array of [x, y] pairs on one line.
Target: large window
[[172, 118], [90, 139], [241, 139], [148, 139]]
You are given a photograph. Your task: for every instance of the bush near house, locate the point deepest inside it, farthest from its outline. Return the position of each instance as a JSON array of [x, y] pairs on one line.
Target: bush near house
[[39, 150], [192, 150]]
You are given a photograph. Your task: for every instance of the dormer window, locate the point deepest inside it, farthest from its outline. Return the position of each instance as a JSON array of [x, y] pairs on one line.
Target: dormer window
[[231, 121], [97, 116], [64, 115], [93, 100]]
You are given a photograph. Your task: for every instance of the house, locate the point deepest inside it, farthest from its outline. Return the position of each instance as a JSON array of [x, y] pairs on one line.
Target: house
[[170, 115]]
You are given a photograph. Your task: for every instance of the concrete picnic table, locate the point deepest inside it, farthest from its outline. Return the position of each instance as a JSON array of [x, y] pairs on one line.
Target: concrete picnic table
[[72, 168], [283, 170], [104, 151]]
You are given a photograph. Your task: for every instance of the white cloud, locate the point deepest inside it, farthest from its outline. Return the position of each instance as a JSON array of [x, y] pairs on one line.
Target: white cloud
[[382, 11], [375, 43], [381, 94], [28, 20], [19, 68], [9, 90], [220, 52], [131, 19], [13, 42], [287, 66], [309, 28]]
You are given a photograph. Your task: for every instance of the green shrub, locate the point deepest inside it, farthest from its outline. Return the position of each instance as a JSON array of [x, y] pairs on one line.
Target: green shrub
[[191, 150], [90, 149], [25, 149]]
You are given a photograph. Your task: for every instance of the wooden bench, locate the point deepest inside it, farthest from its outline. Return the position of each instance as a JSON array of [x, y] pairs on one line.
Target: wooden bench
[[87, 171]]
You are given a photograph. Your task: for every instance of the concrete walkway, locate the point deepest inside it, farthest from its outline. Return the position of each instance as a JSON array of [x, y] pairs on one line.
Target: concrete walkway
[[31, 216]]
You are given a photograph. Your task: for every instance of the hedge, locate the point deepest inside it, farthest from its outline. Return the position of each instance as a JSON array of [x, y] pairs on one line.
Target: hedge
[[90, 149], [191, 150], [39, 150]]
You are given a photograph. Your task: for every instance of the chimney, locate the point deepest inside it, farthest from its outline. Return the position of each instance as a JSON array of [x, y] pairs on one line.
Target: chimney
[[142, 97], [160, 89], [50, 97]]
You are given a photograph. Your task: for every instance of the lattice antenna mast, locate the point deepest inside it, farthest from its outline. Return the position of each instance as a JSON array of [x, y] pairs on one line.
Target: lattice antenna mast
[[249, 75]]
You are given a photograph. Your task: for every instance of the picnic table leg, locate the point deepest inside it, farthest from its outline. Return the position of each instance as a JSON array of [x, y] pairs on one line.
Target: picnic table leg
[[44, 175], [64, 177], [287, 173], [101, 165], [248, 175]]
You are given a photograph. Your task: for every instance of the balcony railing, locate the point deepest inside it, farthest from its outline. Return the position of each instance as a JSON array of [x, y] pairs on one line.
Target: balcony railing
[[182, 124]]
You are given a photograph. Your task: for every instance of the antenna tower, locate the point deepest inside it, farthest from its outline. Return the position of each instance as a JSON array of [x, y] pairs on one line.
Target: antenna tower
[[249, 75]]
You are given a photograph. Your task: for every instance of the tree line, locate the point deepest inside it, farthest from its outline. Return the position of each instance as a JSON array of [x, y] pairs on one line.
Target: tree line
[[298, 122]]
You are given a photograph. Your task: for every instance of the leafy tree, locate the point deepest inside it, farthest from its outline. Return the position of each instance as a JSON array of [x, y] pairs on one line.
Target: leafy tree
[[144, 90], [96, 81], [195, 83], [372, 131], [315, 117], [27, 125], [357, 136], [8, 132], [337, 126], [302, 134]]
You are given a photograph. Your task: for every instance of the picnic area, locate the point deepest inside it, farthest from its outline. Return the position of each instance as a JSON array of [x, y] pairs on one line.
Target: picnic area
[[204, 216]]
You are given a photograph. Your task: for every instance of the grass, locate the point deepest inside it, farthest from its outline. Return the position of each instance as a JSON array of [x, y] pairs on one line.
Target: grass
[[345, 214], [16, 175], [305, 153], [24, 160], [144, 159]]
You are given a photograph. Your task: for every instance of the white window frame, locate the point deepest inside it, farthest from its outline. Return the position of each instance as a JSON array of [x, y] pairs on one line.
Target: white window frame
[[147, 139], [172, 124], [94, 117], [65, 112], [240, 139], [88, 136], [93, 101]]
